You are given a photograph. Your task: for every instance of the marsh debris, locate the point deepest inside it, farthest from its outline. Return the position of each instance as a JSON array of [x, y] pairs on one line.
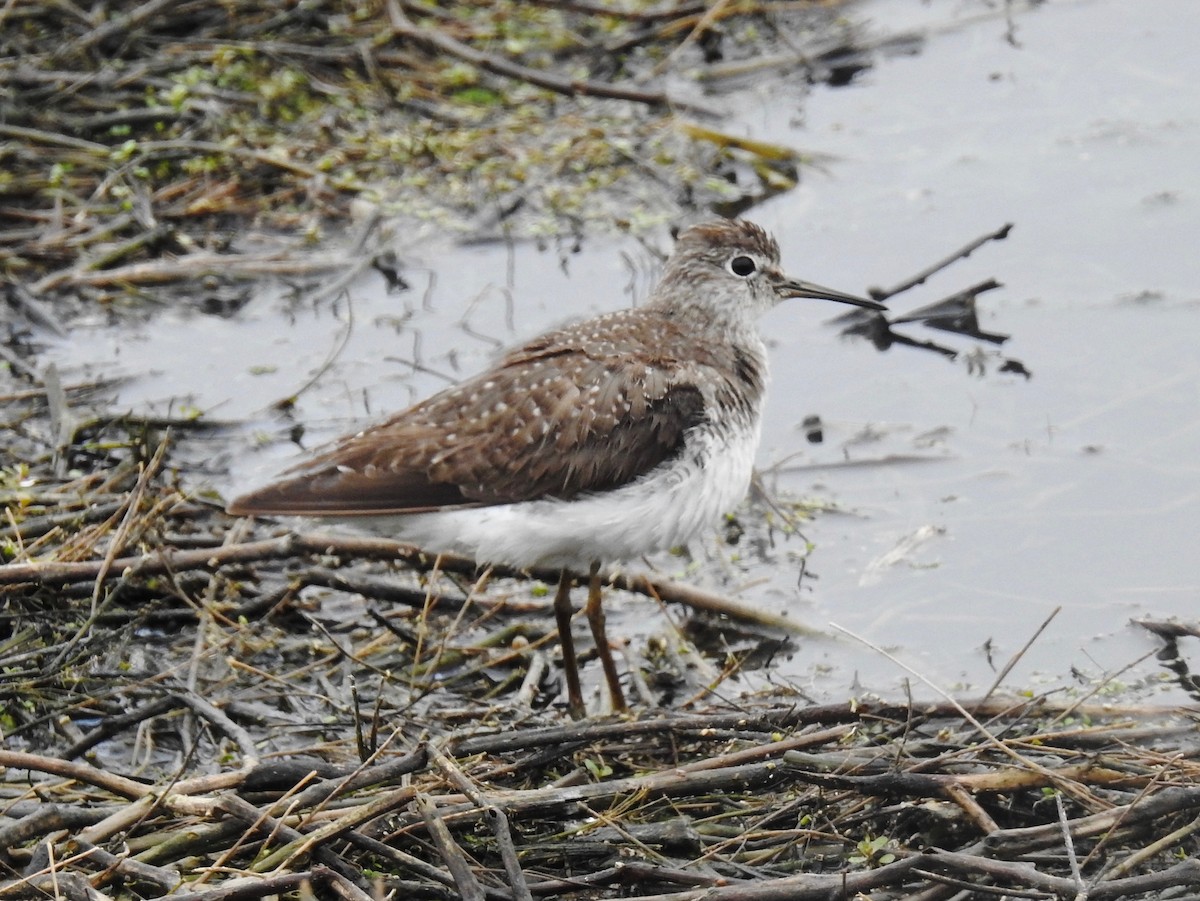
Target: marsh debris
[[221, 141], [196, 708]]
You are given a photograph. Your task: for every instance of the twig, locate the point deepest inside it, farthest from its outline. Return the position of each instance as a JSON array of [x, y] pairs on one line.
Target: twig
[[498, 822], [89, 775], [456, 862], [1015, 658], [193, 266], [219, 719], [403, 27], [961, 254], [1142, 855], [166, 560], [1069, 845]]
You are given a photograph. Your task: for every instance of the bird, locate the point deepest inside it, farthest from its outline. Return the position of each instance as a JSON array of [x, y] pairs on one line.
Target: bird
[[590, 445]]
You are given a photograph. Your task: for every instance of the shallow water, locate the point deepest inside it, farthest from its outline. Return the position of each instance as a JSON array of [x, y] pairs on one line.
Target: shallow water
[[1078, 488]]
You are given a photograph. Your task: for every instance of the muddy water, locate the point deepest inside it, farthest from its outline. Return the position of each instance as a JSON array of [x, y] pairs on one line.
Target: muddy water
[[968, 507]]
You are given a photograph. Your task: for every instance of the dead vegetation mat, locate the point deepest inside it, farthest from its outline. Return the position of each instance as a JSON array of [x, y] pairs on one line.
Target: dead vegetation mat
[[200, 708], [214, 142]]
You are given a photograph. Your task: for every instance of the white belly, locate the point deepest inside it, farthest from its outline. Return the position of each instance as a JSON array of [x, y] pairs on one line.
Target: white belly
[[664, 508]]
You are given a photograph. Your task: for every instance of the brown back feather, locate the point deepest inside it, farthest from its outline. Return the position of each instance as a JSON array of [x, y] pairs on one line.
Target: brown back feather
[[569, 413]]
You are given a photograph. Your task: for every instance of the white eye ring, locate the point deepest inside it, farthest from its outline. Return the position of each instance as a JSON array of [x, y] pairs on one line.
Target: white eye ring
[[743, 266]]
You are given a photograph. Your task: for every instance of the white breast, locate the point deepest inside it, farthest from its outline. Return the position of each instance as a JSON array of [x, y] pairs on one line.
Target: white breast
[[664, 508]]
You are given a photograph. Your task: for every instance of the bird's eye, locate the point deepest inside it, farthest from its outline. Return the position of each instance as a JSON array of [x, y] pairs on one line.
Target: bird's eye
[[742, 266]]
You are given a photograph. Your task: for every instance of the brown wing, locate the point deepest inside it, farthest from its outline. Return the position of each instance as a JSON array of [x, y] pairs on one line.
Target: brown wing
[[524, 430]]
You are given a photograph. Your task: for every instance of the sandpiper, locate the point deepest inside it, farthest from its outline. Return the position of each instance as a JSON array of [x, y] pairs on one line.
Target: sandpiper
[[594, 443]]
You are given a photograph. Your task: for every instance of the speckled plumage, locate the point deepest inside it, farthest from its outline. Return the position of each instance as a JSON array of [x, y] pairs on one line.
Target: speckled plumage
[[661, 403], [596, 442]]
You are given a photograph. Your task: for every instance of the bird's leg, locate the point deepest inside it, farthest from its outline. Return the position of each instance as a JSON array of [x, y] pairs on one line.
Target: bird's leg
[[595, 617], [562, 614]]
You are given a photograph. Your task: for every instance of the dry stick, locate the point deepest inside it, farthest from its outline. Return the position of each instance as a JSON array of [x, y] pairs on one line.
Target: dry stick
[[639, 686], [218, 718], [259, 821], [999, 235], [117, 26], [253, 888], [155, 563], [121, 821], [613, 820], [635, 15], [1069, 845], [403, 27], [665, 589], [498, 821], [665, 784], [38, 136], [992, 711], [1023, 840], [343, 887], [452, 630], [166, 560], [342, 652], [130, 503], [1159, 845], [90, 775], [701, 25], [58, 883], [1013, 660], [414, 864], [808, 887], [322, 793], [377, 588], [454, 774], [766, 721], [1129, 730], [822, 769], [314, 841], [593, 731], [423, 624], [496, 818], [452, 854], [129, 869], [193, 266], [1161, 775], [230, 852], [45, 818], [129, 247], [1025, 874], [951, 887], [928, 864], [177, 841], [972, 808], [783, 747], [538, 664], [126, 821], [266, 157]]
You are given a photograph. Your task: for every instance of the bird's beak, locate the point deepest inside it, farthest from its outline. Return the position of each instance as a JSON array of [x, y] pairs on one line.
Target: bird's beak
[[789, 287]]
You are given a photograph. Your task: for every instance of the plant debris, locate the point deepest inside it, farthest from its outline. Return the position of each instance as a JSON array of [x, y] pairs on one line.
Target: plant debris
[[136, 141], [195, 709]]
